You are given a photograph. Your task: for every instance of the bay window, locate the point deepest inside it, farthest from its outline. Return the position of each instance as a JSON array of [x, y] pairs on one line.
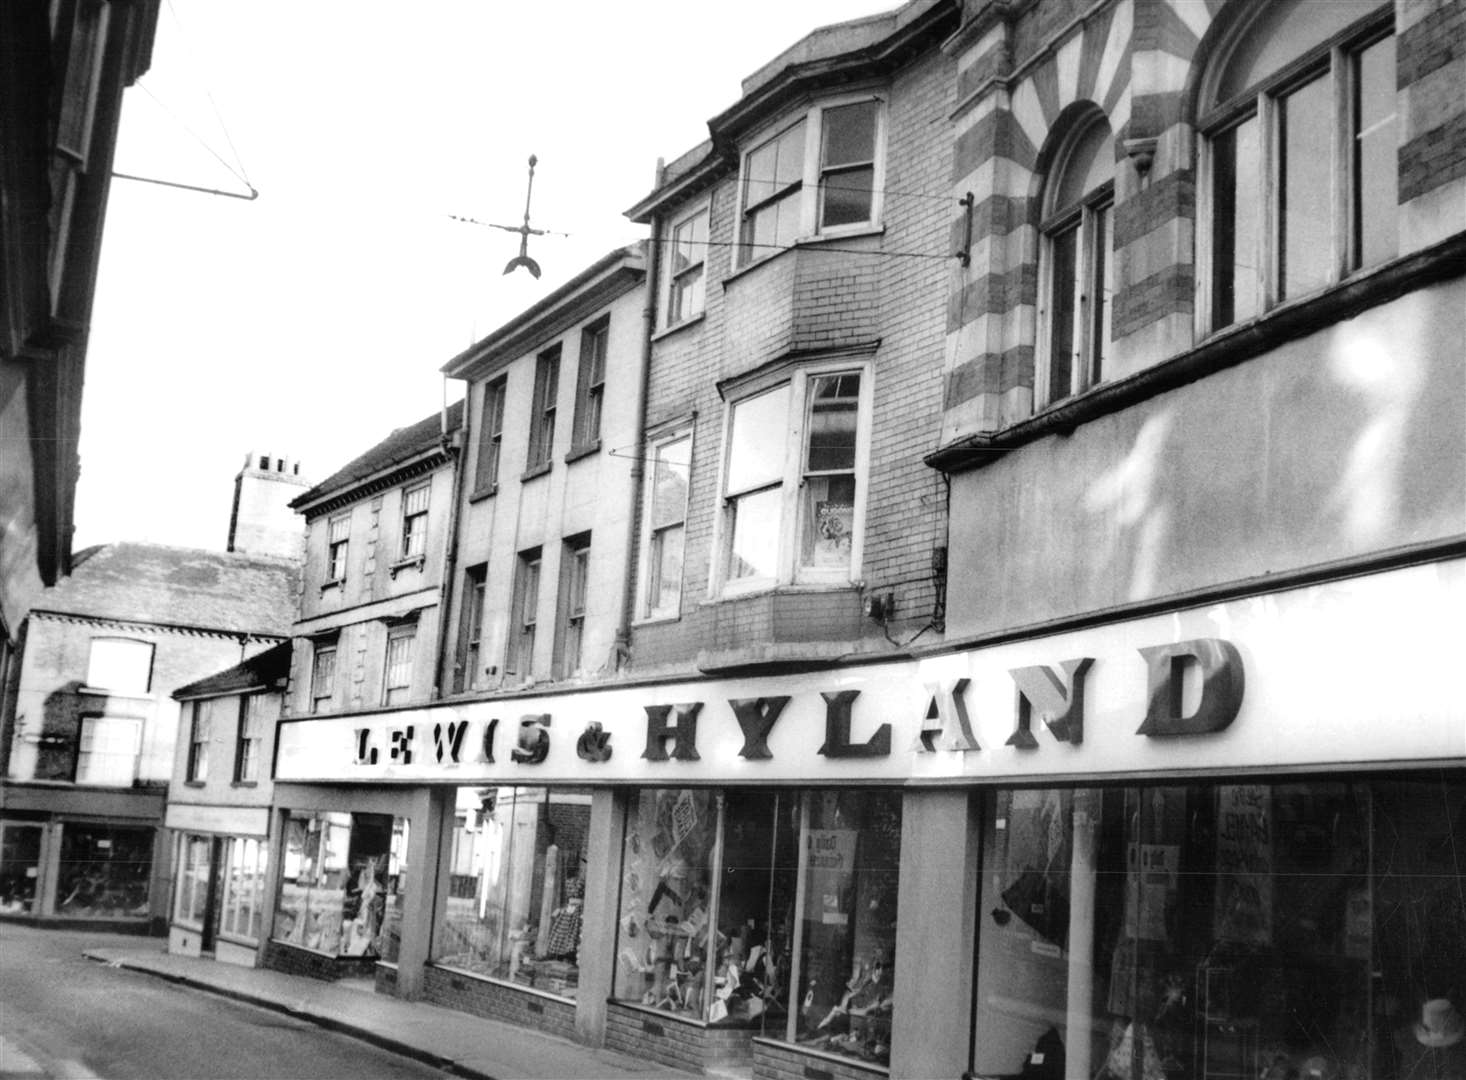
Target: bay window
[[821, 173], [1300, 143], [794, 481]]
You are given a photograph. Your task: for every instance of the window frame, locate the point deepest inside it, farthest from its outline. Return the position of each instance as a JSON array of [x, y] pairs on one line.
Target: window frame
[[652, 532], [810, 187], [694, 273], [490, 437], [398, 661], [338, 547], [574, 590], [590, 385], [471, 627], [139, 682], [1090, 220], [249, 743], [322, 697], [791, 570], [415, 521], [524, 615], [88, 730], [200, 733], [1336, 59], [541, 448]]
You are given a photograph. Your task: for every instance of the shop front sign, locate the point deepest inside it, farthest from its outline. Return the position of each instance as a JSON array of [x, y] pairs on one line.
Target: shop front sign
[[1100, 702]]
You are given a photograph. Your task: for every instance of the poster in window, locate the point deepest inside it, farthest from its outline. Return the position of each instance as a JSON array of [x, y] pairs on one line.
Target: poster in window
[[833, 523], [831, 872], [1244, 877]]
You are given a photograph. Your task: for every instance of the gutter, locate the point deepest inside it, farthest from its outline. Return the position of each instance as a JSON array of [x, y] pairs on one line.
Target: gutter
[[452, 445]]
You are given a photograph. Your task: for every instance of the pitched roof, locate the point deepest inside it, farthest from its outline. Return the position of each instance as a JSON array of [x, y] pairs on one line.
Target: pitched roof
[[402, 445], [263, 671], [171, 586]]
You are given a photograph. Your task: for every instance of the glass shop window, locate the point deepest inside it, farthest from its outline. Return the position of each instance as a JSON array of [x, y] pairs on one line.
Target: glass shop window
[[20, 867], [397, 878], [334, 882], [193, 881], [771, 910], [241, 908], [105, 871], [517, 886], [1268, 930]]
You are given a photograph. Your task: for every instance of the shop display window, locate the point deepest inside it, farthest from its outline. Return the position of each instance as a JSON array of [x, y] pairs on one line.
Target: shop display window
[[1224, 931], [334, 881], [517, 886], [104, 871], [193, 881], [397, 877], [20, 867], [737, 905], [244, 876]]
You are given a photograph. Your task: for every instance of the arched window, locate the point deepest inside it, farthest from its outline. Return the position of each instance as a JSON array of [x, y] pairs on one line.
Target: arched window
[[1077, 275], [1298, 118]]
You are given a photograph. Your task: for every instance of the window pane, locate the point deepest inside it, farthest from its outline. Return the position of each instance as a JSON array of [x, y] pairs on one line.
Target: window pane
[[20, 867], [669, 482], [1306, 132], [790, 166], [1376, 193], [834, 411], [1101, 291], [847, 196], [1244, 929], [687, 295], [665, 584], [829, 521], [516, 886], [755, 540], [1283, 32], [1236, 173], [852, 858], [104, 871], [666, 942], [121, 665], [759, 440], [1088, 165], [1064, 285], [849, 134], [109, 749]]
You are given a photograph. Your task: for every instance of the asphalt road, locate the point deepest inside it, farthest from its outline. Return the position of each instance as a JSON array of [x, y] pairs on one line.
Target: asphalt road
[[82, 1019]]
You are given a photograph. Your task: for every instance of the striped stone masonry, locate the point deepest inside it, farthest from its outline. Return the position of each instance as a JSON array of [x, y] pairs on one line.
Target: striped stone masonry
[[1062, 56], [1431, 76]]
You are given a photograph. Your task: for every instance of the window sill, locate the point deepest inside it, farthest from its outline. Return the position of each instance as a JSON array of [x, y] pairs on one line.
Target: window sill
[[784, 589], [578, 452], [657, 620], [334, 583], [536, 471], [483, 493], [1224, 348], [685, 324], [244, 783], [195, 783], [816, 241], [416, 562]]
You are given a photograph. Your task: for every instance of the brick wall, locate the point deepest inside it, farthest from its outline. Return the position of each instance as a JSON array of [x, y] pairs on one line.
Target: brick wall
[[279, 956], [672, 1041], [499, 1001], [781, 1061]]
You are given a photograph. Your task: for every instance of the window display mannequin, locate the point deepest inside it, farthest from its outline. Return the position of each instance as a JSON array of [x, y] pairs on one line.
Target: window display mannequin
[[1433, 1047]]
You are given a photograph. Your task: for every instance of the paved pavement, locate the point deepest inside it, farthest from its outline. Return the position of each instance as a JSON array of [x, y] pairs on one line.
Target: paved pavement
[[460, 1043]]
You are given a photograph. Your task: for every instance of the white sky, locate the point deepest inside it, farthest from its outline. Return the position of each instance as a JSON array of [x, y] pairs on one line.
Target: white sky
[[313, 321]]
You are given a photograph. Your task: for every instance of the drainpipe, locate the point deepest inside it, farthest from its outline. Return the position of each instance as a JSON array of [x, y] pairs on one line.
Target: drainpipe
[[622, 648], [450, 556]]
